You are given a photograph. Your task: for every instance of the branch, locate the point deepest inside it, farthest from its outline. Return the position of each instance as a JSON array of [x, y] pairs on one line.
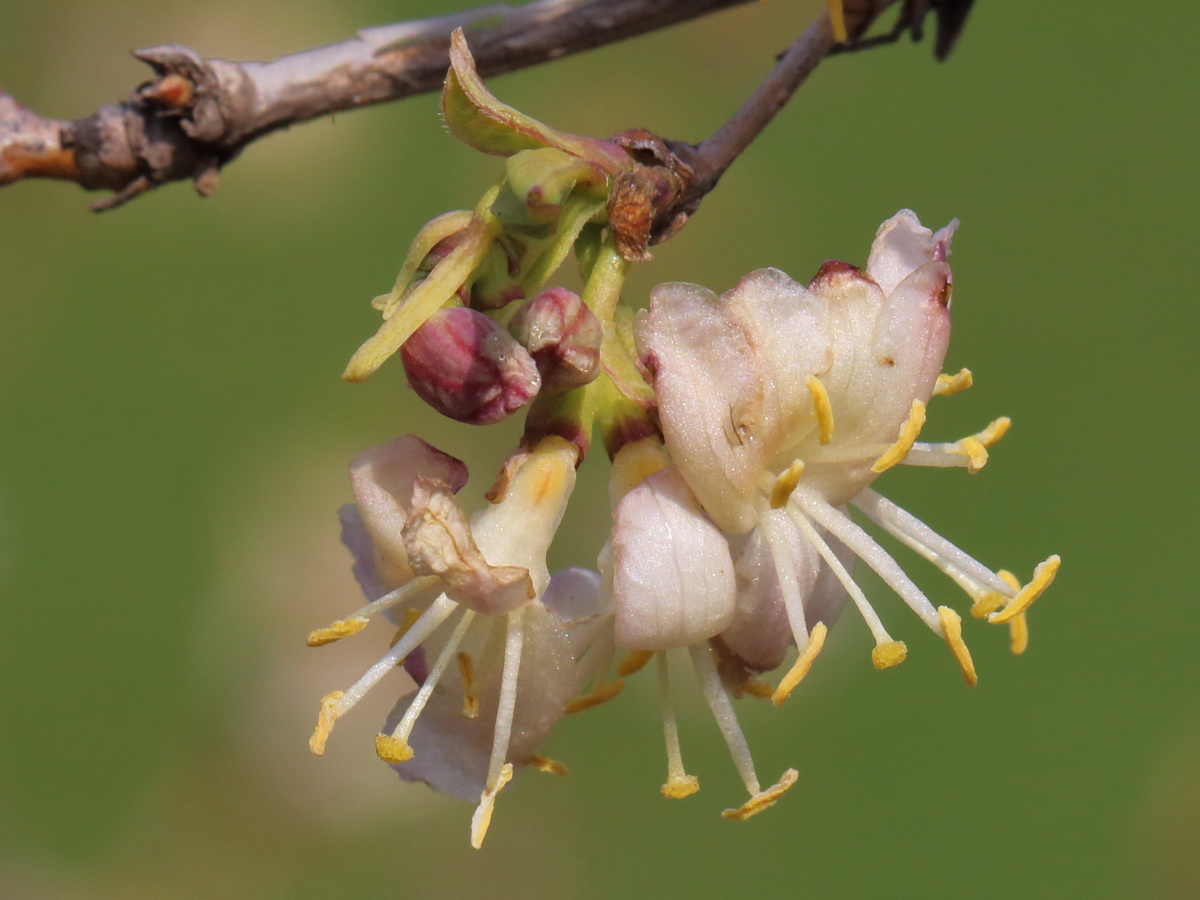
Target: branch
[[198, 114], [653, 203]]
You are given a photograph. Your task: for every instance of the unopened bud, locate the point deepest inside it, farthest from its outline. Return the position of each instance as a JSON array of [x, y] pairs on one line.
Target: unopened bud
[[468, 368], [563, 336]]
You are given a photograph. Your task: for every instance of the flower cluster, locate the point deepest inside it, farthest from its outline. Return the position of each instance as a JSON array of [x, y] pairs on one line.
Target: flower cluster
[[742, 429]]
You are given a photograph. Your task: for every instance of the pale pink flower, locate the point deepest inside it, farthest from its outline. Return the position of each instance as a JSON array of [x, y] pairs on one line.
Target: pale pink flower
[[779, 405], [494, 681]]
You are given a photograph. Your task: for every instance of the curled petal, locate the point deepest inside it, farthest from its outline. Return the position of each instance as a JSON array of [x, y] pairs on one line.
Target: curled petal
[[382, 479], [902, 245], [438, 540], [673, 578]]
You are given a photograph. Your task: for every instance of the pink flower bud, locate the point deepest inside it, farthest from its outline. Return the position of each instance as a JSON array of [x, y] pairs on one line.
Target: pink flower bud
[[468, 368], [563, 336]]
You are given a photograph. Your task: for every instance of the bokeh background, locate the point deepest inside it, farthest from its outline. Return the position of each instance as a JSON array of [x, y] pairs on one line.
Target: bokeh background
[[174, 436]]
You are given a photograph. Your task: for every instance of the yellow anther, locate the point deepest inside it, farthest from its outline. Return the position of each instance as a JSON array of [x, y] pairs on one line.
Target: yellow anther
[[338, 630], [470, 701], [952, 384], [680, 786], [756, 687], [1018, 632], [634, 661], [483, 813], [951, 623], [816, 640], [837, 21], [392, 749], [996, 430], [908, 435], [1018, 628], [975, 452], [785, 484], [599, 694], [986, 603], [547, 765], [1043, 575], [325, 719], [763, 799], [822, 407], [888, 653]]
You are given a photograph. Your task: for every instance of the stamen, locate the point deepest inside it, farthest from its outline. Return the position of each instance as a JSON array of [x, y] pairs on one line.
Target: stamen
[[952, 632], [835, 565], [336, 631], [398, 744], [996, 430], [888, 653], [757, 688], [952, 384], [908, 435], [785, 484], [843, 528], [549, 766], [1043, 575], [1018, 628], [970, 452], [816, 640], [975, 451], [722, 710], [634, 661], [325, 720], [513, 642], [763, 799], [679, 783], [466, 671], [391, 749], [355, 622], [837, 21], [974, 447], [822, 407], [338, 703], [785, 573], [487, 802], [970, 574], [601, 693]]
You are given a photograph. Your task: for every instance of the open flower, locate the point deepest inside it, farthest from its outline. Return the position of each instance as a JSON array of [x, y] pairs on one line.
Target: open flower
[[491, 684], [779, 405]]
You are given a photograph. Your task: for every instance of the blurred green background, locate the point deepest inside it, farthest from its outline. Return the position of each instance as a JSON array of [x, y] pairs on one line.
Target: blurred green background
[[174, 436]]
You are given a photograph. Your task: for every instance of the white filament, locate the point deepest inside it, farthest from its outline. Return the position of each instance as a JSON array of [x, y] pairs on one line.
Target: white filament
[[404, 729], [513, 642], [914, 533], [722, 710], [438, 612], [865, 609], [840, 526]]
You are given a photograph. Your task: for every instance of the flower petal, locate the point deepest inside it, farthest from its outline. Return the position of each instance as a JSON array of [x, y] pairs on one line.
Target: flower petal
[[382, 479], [673, 578], [438, 540], [902, 245]]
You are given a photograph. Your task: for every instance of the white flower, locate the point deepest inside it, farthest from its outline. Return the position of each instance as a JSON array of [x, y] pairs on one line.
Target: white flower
[[492, 686], [779, 405]]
